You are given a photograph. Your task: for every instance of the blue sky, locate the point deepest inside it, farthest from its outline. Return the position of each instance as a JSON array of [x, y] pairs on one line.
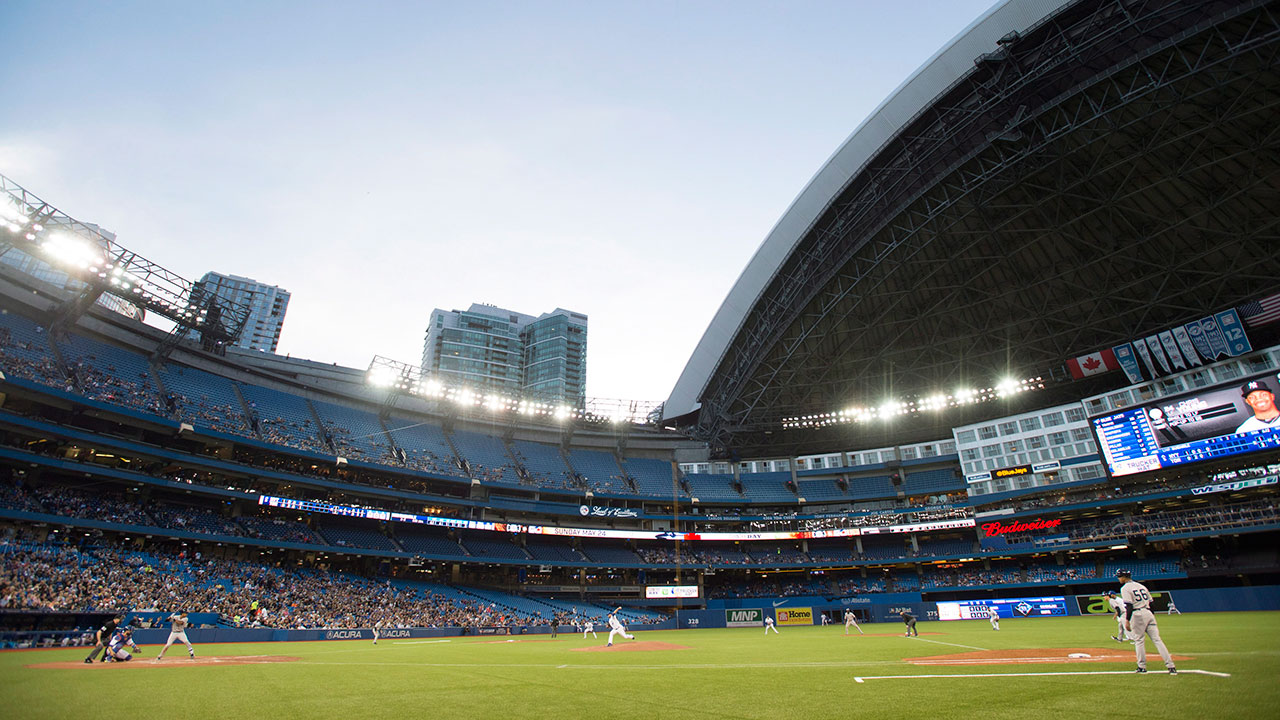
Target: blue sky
[[382, 159]]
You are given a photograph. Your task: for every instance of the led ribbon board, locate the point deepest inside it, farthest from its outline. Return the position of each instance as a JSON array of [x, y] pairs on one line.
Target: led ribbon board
[[458, 524]]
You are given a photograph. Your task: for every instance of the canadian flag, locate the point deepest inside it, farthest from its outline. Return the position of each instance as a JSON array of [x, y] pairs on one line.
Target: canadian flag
[[1093, 364]]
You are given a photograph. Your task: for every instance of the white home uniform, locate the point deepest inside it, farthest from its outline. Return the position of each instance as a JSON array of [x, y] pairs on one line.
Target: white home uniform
[[1173, 608], [994, 617], [768, 625], [376, 627], [851, 619], [590, 627], [177, 631], [617, 628], [1141, 622], [1117, 610]]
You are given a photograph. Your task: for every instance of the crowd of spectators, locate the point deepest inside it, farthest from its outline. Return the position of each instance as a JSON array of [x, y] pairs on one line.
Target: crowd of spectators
[[54, 577]]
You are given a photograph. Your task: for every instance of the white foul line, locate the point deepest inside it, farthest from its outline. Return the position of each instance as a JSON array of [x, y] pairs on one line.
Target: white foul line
[[939, 642], [417, 642], [1039, 674]]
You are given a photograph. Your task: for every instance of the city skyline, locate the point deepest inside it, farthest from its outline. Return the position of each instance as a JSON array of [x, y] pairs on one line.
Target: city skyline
[[623, 161]]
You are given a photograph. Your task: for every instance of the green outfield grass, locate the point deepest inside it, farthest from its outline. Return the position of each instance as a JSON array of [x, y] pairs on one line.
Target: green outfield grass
[[804, 672]]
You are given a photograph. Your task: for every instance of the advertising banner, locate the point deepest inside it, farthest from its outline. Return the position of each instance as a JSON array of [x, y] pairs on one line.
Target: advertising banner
[[744, 617], [794, 616]]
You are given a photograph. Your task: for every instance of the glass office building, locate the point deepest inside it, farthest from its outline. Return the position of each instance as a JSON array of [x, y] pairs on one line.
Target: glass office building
[[267, 307], [489, 349]]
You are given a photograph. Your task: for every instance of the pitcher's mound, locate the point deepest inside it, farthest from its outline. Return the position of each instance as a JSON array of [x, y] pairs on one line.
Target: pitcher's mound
[[629, 646], [146, 662]]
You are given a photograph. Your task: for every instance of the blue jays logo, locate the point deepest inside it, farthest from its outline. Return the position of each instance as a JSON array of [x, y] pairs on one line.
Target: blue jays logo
[[1023, 608]]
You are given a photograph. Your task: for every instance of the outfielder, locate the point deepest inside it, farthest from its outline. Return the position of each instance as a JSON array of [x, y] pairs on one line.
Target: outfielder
[[376, 627], [1172, 608], [768, 625], [851, 619], [1140, 621], [1117, 610], [177, 631], [616, 627], [994, 616]]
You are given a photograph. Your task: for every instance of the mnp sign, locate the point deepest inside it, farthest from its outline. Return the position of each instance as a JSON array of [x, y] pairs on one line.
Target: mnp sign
[[795, 616], [745, 617]]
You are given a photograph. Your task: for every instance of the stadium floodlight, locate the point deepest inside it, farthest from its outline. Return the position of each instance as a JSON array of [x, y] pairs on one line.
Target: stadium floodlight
[[1007, 387], [889, 408], [465, 396], [381, 376], [73, 251], [14, 217], [562, 412]]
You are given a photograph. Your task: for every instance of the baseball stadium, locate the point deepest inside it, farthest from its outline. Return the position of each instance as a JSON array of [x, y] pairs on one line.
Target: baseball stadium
[[986, 427]]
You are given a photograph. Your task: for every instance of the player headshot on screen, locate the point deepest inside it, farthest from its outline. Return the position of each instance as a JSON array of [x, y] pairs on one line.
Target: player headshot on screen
[[1262, 399]]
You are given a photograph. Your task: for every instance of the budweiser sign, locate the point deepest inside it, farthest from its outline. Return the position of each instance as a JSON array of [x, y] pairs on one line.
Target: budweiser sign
[[995, 528]]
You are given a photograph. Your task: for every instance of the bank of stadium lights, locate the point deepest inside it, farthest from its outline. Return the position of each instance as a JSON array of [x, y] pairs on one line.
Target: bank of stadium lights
[[892, 408]]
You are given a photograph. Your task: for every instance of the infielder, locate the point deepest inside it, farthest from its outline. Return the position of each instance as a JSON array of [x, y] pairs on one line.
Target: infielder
[[177, 631], [1140, 621], [1117, 610], [115, 649], [616, 627], [994, 616], [851, 619], [102, 638], [768, 625], [590, 627], [910, 621]]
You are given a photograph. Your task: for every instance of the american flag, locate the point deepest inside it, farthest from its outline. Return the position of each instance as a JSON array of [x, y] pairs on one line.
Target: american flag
[[1260, 312]]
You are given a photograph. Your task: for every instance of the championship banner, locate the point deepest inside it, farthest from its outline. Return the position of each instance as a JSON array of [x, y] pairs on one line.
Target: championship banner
[[794, 616], [744, 617], [1233, 331], [1128, 362]]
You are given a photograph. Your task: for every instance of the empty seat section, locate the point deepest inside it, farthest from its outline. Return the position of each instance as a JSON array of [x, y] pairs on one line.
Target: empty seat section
[[427, 540], [767, 487], [424, 445], [880, 548], [871, 487], [549, 549], [934, 481], [820, 489], [284, 419], [544, 465], [652, 476], [356, 434], [708, 488], [486, 457], [607, 552], [492, 545], [945, 548], [601, 471], [356, 535], [832, 550], [205, 399]]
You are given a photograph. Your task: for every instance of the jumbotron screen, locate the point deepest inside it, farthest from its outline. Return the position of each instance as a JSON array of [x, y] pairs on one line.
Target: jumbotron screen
[[1005, 608], [1224, 420]]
